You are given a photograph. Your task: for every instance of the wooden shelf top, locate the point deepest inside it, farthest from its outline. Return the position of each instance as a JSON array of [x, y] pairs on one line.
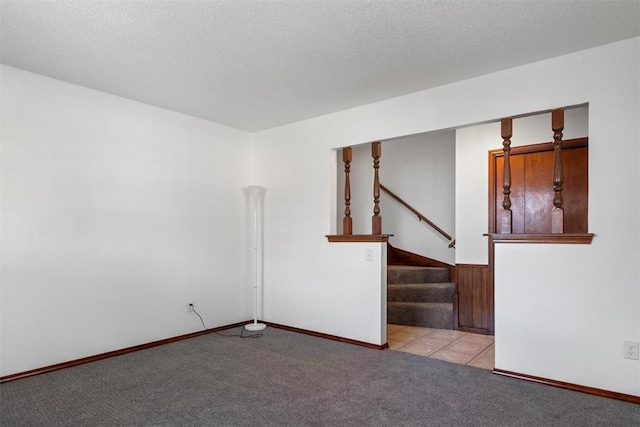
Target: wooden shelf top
[[566, 238], [335, 238]]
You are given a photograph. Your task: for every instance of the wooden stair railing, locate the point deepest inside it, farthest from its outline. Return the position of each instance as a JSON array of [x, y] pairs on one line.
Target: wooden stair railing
[[418, 214], [556, 230], [504, 217], [376, 220]]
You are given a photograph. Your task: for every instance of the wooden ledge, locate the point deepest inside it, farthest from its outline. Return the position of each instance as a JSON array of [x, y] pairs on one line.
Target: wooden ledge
[[341, 238], [567, 238]]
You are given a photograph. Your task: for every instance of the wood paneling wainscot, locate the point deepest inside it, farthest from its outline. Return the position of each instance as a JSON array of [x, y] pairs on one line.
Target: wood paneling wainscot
[[473, 300]]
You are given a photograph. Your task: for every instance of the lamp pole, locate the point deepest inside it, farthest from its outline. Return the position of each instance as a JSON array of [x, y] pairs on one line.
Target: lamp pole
[[256, 192]]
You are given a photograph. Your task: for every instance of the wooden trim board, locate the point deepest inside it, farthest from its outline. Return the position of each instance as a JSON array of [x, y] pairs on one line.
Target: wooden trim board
[[89, 359], [350, 238], [569, 386], [328, 337]]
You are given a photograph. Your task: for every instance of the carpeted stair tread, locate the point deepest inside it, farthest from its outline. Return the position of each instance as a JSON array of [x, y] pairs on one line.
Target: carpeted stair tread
[[421, 292], [420, 296], [407, 274], [428, 315]]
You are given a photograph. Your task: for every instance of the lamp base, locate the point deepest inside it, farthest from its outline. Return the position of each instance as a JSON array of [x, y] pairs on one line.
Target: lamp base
[[253, 327]]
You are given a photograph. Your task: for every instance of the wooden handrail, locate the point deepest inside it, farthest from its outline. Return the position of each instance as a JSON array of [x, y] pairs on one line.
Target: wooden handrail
[[412, 209]]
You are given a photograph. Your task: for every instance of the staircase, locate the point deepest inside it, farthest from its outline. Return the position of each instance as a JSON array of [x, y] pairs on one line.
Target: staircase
[[420, 296]]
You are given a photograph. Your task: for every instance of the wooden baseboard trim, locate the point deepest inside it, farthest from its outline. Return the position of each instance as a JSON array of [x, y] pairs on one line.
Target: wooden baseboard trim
[[479, 331], [569, 386], [328, 337], [113, 353]]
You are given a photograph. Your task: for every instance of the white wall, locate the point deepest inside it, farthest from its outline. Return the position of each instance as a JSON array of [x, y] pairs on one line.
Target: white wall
[[309, 283], [299, 269], [114, 215], [420, 169]]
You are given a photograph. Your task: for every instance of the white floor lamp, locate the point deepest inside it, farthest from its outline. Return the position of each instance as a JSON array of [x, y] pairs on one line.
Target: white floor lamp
[[256, 194]]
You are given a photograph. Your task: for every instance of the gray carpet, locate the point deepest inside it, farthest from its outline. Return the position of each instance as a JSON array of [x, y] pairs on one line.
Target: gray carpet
[[289, 379]]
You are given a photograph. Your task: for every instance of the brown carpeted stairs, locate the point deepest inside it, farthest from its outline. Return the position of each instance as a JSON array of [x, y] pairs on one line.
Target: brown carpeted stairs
[[420, 296]]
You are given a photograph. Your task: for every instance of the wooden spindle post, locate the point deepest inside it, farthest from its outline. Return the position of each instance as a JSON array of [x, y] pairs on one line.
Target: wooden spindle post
[[557, 214], [347, 221], [376, 220], [506, 216]]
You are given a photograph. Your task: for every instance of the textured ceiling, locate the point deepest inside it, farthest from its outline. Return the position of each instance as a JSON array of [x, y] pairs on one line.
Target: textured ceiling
[[255, 65]]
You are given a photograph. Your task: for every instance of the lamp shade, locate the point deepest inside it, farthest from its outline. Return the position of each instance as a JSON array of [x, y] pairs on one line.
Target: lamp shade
[[256, 192]]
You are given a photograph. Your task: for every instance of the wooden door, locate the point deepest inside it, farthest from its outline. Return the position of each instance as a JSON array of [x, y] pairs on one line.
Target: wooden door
[[473, 300], [532, 187]]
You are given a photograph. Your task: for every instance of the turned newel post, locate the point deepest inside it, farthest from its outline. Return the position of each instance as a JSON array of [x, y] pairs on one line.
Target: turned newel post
[[376, 220], [557, 214], [347, 222], [506, 215]]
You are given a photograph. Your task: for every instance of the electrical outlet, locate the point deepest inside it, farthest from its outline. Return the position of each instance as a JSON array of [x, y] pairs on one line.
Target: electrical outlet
[[630, 350], [368, 254], [189, 306]]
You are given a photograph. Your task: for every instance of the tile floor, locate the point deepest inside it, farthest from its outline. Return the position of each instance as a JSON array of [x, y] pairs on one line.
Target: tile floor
[[453, 346]]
